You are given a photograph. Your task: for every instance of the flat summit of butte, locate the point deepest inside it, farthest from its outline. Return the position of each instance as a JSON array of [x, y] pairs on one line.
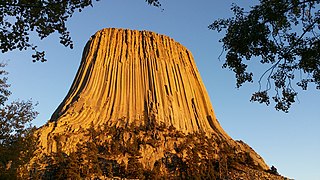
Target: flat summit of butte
[[138, 101]]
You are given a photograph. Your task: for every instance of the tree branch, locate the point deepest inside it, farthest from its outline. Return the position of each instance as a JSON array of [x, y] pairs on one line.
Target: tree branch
[[3, 4]]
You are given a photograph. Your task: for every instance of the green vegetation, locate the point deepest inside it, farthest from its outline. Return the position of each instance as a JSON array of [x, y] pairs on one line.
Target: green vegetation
[[284, 37], [273, 170], [16, 133], [116, 152], [19, 19]]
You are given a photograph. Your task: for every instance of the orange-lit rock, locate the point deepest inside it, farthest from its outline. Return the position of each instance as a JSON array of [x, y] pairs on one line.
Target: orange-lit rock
[[127, 77], [132, 75]]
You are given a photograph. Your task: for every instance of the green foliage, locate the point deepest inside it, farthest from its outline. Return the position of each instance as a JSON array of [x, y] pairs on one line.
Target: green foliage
[[18, 19], [273, 170], [17, 142], [134, 169], [154, 3], [62, 166], [285, 36], [193, 156]]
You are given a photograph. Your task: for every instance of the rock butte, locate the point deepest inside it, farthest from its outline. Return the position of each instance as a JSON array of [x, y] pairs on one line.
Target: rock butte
[[129, 76], [132, 75]]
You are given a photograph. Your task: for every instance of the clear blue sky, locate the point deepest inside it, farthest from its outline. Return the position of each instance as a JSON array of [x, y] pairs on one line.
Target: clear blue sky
[[291, 142]]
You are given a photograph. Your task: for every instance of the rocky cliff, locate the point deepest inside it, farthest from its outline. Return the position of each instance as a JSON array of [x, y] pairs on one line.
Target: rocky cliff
[[139, 79], [133, 75]]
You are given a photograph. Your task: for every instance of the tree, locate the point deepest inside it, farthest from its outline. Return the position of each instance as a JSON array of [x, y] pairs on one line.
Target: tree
[[273, 170], [62, 166], [16, 133], [284, 35], [44, 17], [134, 169]]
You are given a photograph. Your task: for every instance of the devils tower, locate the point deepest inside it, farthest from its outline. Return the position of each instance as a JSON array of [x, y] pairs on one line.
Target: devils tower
[[135, 75], [148, 83]]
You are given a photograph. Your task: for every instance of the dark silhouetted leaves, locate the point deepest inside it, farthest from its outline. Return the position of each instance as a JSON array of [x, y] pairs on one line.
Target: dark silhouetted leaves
[[17, 141], [20, 18], [282, 34]]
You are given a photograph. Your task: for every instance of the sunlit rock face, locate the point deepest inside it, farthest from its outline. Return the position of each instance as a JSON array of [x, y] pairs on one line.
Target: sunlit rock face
[[129, 77], [134, 75]]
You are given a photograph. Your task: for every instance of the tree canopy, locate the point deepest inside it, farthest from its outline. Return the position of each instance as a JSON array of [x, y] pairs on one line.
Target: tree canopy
[[282, 34], [44, 17], [16, 133]]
